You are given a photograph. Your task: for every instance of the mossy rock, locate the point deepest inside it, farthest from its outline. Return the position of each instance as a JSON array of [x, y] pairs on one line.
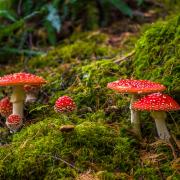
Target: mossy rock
[[157, 55]]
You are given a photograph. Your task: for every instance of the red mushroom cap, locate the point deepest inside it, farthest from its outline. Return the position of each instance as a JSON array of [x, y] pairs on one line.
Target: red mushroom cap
[[14, 119], [21, 79], [135, 86], [156, 102], [5, 107], [64, 104]]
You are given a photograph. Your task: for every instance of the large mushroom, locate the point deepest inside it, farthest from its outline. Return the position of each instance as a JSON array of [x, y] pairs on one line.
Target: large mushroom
[[17, 81], [135, 88], [158, 104]]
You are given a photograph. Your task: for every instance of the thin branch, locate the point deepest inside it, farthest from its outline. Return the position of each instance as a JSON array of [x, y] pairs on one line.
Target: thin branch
[[19, 7], [62, 160], [125, 57]]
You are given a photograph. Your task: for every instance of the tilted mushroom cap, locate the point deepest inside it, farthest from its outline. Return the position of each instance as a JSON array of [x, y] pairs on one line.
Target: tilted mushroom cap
[[64, 104], [135, 86], [156, 102], [21, 79], [5, 107], [14, 119]]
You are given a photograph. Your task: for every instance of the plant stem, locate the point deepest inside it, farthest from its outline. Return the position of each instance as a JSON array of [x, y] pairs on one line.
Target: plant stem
[[135, 120], [30, 98], [159, 117], [17, 98]]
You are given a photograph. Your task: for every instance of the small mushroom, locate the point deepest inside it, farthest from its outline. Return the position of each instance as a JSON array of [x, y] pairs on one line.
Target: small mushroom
[[64, 104], [135, 88], [67, 128], [5, 107], [158, 104], [14, 122], [31, 93], [18, 80]]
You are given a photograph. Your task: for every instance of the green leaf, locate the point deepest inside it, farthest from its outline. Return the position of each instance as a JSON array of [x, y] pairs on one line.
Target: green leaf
[[6, 14], [8, 30], [54, 18], [51, 32], [122, 6], [39, 108], [21, 51], [72, 1], [139, 2]]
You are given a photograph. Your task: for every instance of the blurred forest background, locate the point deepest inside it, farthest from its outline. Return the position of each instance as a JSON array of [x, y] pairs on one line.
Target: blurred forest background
[[28, 27]]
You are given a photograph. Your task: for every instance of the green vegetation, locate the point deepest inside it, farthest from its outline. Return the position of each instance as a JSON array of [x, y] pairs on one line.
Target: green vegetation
[[102, 140], [157, 54], [78, 47], [28, 24], [39, 148]]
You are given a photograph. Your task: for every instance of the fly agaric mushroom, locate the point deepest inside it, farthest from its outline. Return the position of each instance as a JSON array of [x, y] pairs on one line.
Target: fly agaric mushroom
[[64, 104], [31, 93], [158, 104], [5, 107], [18, 80], [14, 122], [135, 87]]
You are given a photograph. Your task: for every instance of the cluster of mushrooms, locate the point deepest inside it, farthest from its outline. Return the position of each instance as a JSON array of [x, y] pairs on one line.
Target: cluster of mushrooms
[[25, 88], [156, 102]]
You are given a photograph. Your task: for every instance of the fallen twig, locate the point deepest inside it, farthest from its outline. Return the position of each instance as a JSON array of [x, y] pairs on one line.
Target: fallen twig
[[125, 57], [62, 160]]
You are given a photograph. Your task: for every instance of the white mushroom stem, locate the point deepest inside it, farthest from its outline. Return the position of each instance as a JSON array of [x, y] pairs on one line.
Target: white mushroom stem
[[31, 97], [159, 117], [135, 120], [17, 99]]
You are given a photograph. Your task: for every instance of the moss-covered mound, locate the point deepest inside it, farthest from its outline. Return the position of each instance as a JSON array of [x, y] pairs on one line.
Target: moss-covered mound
[[158, 54], [42, 149]]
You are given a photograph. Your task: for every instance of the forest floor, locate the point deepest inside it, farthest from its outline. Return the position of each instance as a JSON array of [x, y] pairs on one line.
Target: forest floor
[[102, 144]]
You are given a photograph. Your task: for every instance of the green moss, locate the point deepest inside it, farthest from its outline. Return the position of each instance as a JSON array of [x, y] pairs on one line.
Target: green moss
[[157, 54], [78, 47], [147, 173], [92, 89], [86, 84], [36, 149]]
